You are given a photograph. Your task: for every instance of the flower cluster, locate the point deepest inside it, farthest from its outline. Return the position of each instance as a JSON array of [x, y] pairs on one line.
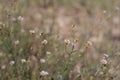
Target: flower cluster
[[43, 73], [104, 60], [20, 18]]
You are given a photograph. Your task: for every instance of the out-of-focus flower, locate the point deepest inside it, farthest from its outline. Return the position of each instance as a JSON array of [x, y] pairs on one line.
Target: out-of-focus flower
[[48, 53], [104, 62], [67, 41], [31, 48], [43, 73], [32, 32], [3, 66], [40, 34], [42, 60], [17, 42], [12, 63], [23, 60], [14, 19], [20, 18], [76, 40], [104, 11], [89, 43], [44, 42], [105, 56]]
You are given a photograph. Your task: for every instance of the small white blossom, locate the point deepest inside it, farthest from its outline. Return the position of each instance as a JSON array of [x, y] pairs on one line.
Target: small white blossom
[[12, 63], [23, 60], [48, 53], [20, 18], [43, 73], [42, 60], [32, 32], [17, 42]]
